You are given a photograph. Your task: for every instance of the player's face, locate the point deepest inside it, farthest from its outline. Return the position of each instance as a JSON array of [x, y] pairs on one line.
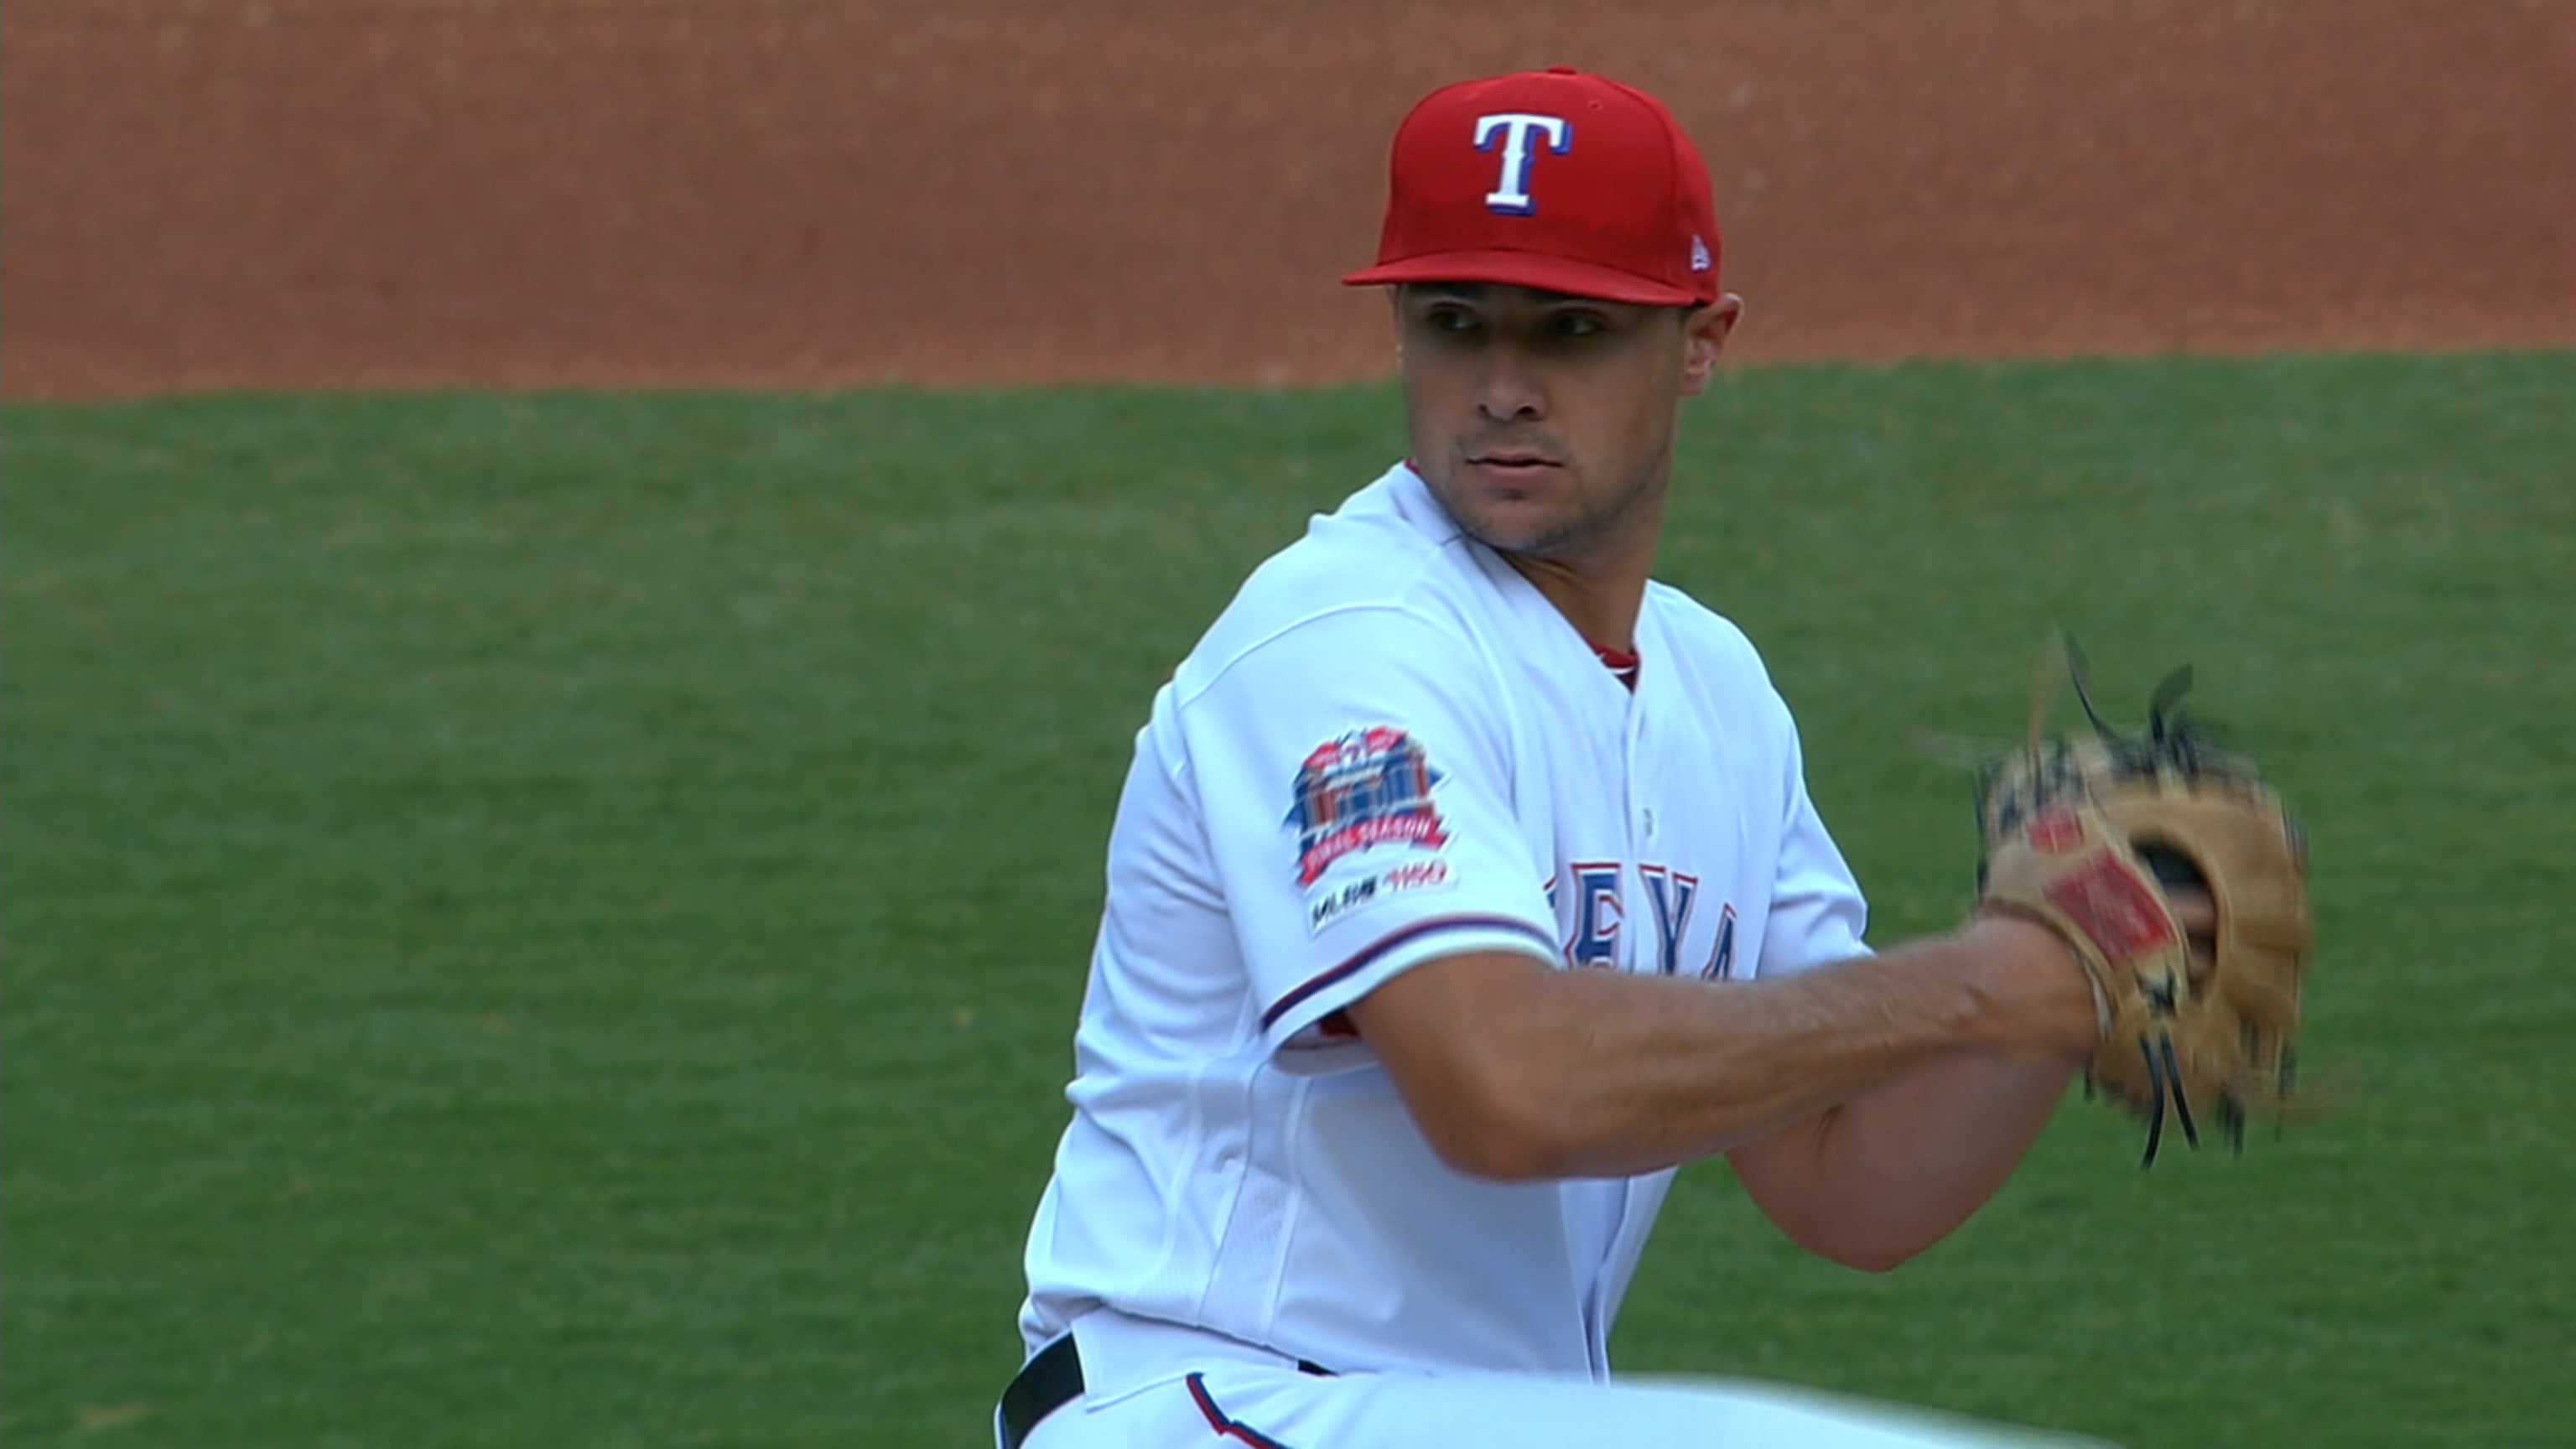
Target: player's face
[[1544, 422]]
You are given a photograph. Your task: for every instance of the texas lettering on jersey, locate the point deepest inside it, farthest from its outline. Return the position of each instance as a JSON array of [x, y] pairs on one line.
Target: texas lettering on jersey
[[1671, 898]]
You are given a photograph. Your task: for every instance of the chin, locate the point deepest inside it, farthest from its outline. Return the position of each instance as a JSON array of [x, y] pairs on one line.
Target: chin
[[1494, 527], [1526, 537]]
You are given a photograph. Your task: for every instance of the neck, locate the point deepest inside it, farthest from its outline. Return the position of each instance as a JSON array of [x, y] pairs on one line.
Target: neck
[[1601, 602], [1599, 582]]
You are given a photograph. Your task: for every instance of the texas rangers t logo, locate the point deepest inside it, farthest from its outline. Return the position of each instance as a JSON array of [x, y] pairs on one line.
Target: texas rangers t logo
[[1511, 192]]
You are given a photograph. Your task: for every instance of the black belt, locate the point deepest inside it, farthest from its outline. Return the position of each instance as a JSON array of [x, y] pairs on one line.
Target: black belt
[[1052, 1380]]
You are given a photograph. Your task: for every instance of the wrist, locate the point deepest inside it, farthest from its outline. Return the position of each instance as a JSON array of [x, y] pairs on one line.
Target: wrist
[[2048, 1003]]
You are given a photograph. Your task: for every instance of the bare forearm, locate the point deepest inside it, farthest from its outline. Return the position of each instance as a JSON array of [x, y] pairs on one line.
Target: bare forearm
[[1875, 1180], [1719, 1064], [1606, 1074]]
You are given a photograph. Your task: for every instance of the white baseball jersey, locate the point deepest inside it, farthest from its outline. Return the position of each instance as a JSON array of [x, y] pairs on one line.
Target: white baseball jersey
[[1391, 748]]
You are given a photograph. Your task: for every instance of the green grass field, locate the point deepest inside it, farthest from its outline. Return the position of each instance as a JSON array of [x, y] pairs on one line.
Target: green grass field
[[556, 920]]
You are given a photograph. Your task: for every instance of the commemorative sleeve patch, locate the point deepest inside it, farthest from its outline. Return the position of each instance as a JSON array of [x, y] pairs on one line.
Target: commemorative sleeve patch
[[1332, 903], [1368, 788]]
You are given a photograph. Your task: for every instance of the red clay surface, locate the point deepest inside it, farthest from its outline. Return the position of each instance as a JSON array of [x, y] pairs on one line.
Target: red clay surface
[[217, 194]]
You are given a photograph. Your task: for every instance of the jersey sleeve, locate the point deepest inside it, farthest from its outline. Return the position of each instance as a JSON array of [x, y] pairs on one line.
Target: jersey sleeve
[[1818, 914], [1354, 776]]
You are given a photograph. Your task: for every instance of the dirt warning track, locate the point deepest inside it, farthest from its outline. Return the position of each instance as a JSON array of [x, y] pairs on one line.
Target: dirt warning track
[[218, 194]]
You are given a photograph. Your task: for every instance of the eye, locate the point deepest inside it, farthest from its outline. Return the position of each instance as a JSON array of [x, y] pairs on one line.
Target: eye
[[1449, 318], [1574, 324]]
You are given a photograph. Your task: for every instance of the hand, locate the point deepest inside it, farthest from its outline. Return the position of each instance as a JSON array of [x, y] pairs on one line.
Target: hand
[[2124, 843], [2198, 911], [2071, 1021]]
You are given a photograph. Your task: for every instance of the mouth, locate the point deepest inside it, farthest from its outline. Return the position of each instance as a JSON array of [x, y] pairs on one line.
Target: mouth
[[1510, 462]]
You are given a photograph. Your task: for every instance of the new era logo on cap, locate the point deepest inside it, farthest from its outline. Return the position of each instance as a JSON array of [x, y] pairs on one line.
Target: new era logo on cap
[[1551, 179]]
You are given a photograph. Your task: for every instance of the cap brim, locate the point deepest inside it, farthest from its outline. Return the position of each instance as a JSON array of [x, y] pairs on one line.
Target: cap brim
[[1528, 269]]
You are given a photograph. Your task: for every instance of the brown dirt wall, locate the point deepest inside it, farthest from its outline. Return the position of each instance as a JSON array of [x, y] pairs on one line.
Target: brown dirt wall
[[260, 194]]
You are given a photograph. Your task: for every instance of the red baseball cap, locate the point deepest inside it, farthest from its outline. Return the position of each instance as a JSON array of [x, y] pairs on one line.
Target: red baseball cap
[[1552, 179]]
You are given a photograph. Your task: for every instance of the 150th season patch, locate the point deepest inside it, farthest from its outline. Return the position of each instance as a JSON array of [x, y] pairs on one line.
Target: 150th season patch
[[1368, 788]]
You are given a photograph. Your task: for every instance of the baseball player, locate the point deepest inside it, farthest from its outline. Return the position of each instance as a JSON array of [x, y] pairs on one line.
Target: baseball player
[[1466, 881]]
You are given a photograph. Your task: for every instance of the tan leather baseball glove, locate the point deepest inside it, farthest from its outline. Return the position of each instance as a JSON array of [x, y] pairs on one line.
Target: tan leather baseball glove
[[2089, 836]]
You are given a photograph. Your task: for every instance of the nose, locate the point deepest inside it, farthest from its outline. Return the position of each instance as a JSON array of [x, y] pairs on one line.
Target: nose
[[1509, 390]]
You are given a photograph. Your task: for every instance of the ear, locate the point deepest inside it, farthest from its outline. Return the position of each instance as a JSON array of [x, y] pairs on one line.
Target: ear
[[1704, 333]]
